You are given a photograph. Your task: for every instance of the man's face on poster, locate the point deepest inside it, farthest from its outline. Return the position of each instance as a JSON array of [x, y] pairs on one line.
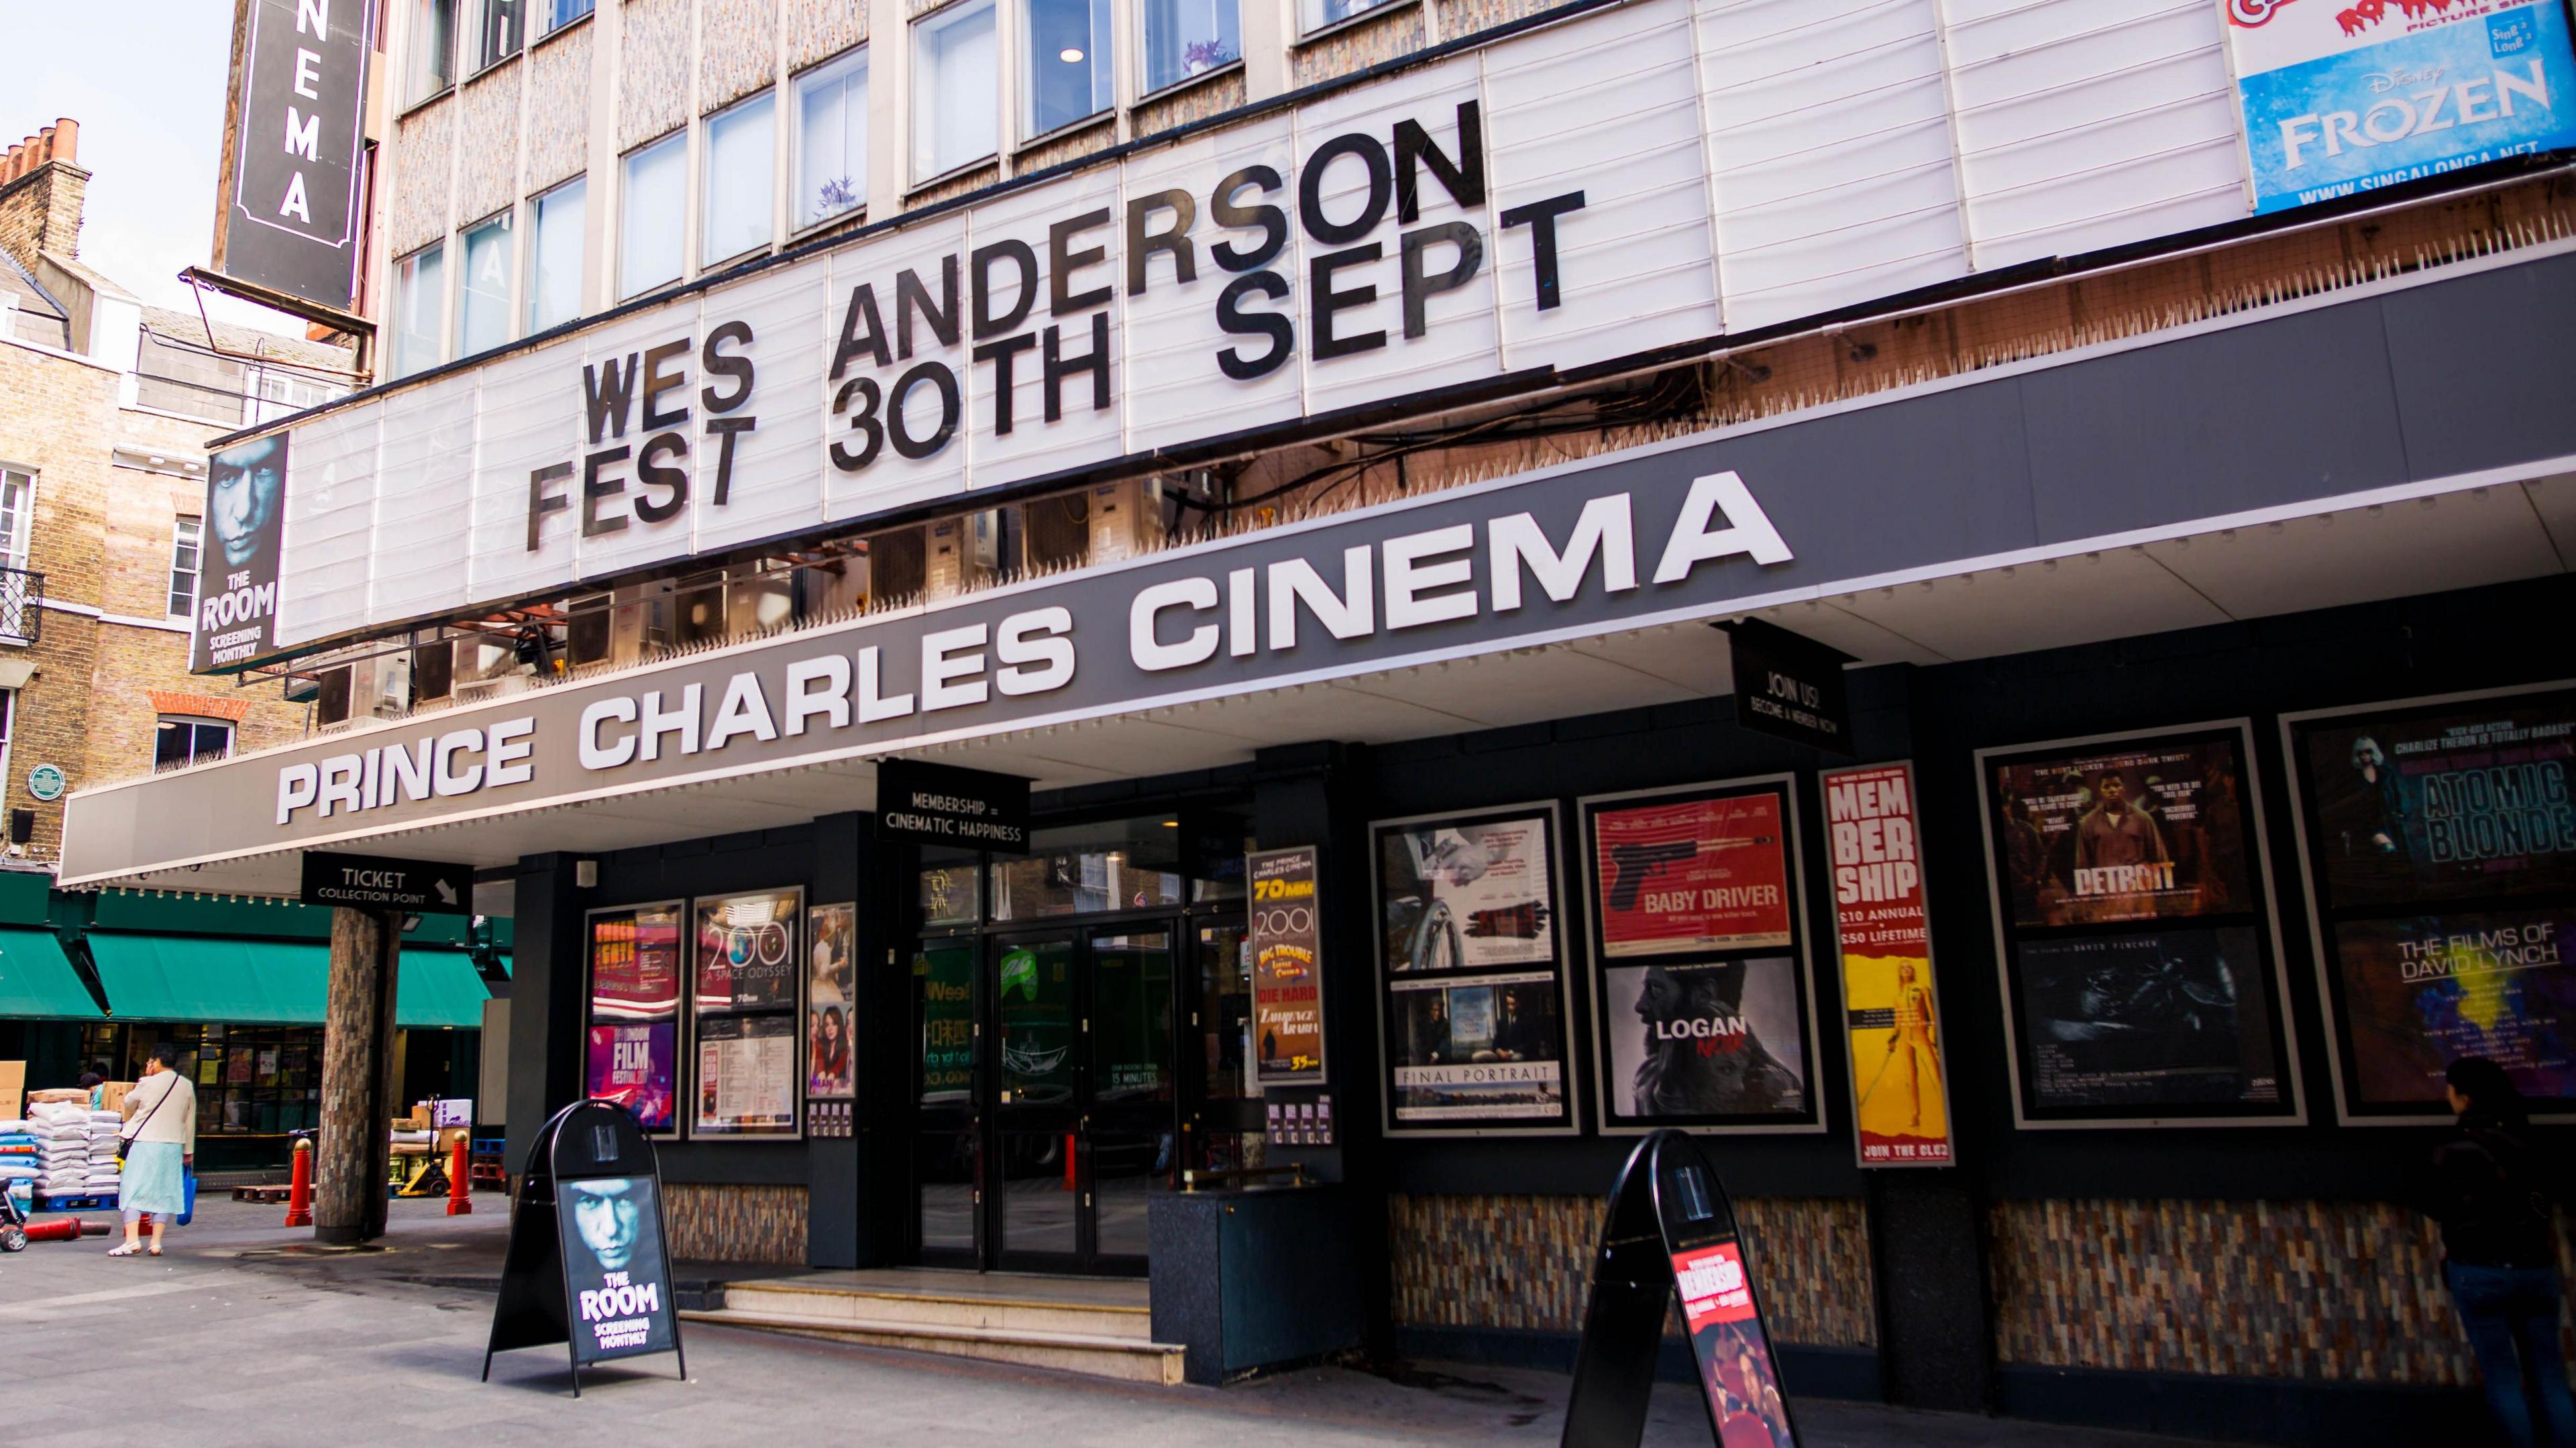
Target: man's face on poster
[[247, 480], [608, 1218], [2114, 791]]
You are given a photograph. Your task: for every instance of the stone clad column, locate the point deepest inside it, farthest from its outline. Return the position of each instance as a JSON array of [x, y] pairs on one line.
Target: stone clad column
[[350, 1159]]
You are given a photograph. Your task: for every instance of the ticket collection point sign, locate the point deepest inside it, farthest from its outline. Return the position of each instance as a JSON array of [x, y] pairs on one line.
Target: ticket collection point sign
[[586, 1264], [1671, 1233], [1891, 1009]]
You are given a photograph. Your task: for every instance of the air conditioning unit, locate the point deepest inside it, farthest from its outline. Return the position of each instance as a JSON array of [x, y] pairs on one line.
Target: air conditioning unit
[[433, 671], [964, 552], [1126, 519]]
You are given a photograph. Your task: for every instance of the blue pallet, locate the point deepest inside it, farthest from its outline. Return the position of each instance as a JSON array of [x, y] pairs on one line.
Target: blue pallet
[[89, 1203]]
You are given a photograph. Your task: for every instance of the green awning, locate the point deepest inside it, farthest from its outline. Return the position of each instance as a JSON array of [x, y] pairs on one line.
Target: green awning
[[37, 981], [267, 982]]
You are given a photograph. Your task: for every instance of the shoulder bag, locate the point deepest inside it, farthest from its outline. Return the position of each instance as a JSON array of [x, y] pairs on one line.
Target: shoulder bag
[[124, 1142]]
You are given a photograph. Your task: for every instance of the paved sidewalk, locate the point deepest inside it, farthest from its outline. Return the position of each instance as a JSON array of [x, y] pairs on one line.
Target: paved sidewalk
[[247, 1335]]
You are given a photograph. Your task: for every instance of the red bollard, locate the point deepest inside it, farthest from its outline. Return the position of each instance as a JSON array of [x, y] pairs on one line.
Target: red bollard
[[460, 1202], [1069, 1182], [62, 1229], [299, 1194]]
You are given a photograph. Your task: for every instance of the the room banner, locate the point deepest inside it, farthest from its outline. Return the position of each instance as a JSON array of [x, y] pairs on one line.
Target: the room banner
[[1891, 1007]]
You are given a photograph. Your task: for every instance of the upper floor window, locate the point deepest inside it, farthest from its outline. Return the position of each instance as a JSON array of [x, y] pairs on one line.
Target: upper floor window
[[554, 255], [650, 225], [183, 740], [1184, 38], [433, 48], [17, 515], [187, 544], [419, 287], [832, 139], [1068, 75], [955, 83], [741, 139], [554, 15], [1316, 14], [279, 393], [483, 299], [496, 30]]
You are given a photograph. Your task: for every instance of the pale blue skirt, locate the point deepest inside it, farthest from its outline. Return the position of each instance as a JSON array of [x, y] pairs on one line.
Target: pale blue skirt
[[152, 1180]]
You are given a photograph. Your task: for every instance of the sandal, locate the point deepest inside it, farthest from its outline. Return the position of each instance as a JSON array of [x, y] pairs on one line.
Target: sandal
[[151, 1251], [128, 1250]]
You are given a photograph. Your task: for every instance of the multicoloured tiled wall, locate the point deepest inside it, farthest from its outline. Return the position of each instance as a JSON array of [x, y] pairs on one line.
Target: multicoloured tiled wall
[[732, 1223], [2348, 1291], [1521, 1263]]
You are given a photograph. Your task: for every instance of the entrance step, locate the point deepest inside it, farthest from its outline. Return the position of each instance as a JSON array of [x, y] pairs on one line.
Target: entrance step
[[1097, 1326]]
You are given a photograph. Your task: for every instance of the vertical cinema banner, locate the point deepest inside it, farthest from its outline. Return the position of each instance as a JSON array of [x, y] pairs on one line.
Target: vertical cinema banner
[[1287, 961], [1900, 1087]]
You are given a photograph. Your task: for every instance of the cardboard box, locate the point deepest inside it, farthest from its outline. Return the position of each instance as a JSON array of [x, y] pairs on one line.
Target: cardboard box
[[111, 1096], [13, 1090], [56, 1094]]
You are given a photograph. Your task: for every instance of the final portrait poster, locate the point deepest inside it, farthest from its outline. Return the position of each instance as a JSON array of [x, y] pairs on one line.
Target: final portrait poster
[[2135, 829]]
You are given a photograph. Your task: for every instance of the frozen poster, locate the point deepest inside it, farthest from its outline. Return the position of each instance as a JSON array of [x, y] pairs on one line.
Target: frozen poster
[[2422, 991]]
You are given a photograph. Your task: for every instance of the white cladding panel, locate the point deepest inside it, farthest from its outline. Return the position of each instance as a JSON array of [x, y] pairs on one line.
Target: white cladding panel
[[2084, 126], [1741, 164], [328, 533], [1829, 142]]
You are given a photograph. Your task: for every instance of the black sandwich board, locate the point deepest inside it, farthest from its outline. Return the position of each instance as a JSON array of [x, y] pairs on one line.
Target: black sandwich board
[[586, 1265], [1672, 1231]]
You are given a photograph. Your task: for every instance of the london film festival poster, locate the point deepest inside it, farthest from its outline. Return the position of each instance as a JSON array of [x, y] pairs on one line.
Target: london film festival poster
[[1710, 873], [1707, 1040], [1287, 960], [1736, 1370], [637, 1065], [2137, 829], [246, 506], [1488, 1050], [2420, 992], [613, 1267], [1900, 1085], [746, 1076], [2174, 1021], [2455, 801], [831, 992], [2342, 97], [747, 951], [1474, 893]]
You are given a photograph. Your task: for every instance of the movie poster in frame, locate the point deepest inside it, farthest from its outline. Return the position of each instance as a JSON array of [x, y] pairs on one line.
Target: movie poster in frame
[[1703, 1006], [2137, 948], [2438, 838], [635, 963], [746, 1021], [831, 1001], [1472, 988]]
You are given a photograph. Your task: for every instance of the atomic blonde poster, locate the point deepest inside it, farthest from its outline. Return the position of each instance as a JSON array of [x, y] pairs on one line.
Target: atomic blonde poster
[[1900, 1088]]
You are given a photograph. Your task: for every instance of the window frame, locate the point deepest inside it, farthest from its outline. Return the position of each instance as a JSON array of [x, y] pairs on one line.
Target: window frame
[[1102, 69], [1302, 35], [415, 90], [558, 27], [406, 286], [708, 257], [836, 70], [1146, 90], [625, 216], [181, 530], [484, 10], [195, 723], [506, 220], [529, 288], [918, 131], [17, 535]]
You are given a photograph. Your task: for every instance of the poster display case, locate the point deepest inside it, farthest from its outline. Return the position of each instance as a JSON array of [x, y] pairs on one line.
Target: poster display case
[[631, 1034], [746, 1021]]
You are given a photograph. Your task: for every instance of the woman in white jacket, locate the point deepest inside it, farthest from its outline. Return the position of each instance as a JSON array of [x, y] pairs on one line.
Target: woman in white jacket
[[161, 1135]]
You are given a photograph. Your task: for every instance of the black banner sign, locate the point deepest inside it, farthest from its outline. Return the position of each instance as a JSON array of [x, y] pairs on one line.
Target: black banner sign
[[585, 1265], [941, 804], [1789, 686], [290, 218], [376, 882]]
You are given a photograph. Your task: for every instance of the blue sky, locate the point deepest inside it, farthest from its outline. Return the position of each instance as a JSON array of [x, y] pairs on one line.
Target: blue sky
[[145, 79]]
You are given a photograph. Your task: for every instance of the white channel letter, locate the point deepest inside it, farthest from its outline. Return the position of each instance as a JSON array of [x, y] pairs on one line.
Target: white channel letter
[[340, 784], [406, 772], [1603, 529], [872, 706], [832, 701], [938, 668], [1144, 643], [1036, 651], [682, 721], [1409, 575], [1748, 529], [445, 780], [595, 755], [1242, 613], [745, 710], [296, 786], [367, 780], [511, 746], [1294, 580]]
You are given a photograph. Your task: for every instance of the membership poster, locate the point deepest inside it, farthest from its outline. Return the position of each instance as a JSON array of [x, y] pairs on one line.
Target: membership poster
[[2453, 802], [1490, 1049], [1679, 874], [1469, 894], [2143, 1021], [614, 1270], [1891, 1009], [1287, 955], [1713, 1039], [746, 1076], [2420, 992], [2134, 829]]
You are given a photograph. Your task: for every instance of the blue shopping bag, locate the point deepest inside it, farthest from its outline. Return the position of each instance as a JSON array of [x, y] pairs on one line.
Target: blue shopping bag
[[188, 1205]]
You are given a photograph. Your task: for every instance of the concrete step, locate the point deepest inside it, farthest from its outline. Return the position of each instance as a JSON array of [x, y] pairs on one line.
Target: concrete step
[[1109, 1314], [1126, 1358]]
